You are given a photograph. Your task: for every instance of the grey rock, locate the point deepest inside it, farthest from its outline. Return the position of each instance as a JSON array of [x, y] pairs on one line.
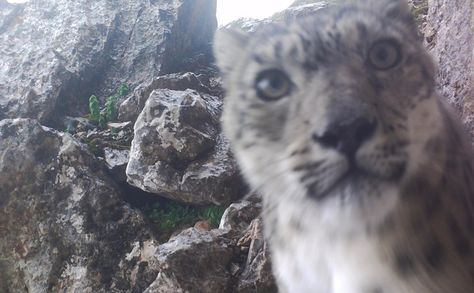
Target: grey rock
[[194, 261], [178, 151], [300, 9], [253, 273], [117, 161], [257, 272], [450, 37], [62, 223], [77, 124], [132, 106], [297, 10], [55, 54], [238, 216]]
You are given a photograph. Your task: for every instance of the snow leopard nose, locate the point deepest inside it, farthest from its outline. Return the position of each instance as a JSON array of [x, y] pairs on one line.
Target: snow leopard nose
[[347, 136]]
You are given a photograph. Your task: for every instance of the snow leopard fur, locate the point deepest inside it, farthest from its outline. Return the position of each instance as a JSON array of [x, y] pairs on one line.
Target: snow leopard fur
[[366, 175]]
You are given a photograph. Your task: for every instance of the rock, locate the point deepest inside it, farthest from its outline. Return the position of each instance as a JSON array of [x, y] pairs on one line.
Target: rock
[[119, 126], [117, 161], [55, 54], [194, 261], [7, 11], [300, 9], [257, 273], [246, 24], [62, 223], [238, 216], [77, 124], [450, 37], [251, 267], [297, 10], [203, 225], [131, 107], [178, 151]]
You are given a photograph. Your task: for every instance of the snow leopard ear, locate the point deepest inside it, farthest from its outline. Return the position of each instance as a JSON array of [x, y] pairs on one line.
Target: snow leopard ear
[[390, 8], [397, 10], [228, 46]]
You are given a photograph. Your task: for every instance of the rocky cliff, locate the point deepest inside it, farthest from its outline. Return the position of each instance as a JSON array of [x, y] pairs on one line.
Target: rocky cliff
[[113, 168], [450, 38]]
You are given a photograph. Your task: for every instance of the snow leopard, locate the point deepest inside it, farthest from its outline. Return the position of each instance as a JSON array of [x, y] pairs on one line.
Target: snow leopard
[[366, 175]]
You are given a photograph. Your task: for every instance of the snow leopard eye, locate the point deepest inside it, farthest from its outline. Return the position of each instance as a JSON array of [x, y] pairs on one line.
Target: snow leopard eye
[[385, 54], [272, 84]]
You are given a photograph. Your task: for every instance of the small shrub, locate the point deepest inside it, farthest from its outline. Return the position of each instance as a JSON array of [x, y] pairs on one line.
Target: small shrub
[[111, 108], [213, 214], [122, 90], [110, 111], [94, 109], [173, 216]]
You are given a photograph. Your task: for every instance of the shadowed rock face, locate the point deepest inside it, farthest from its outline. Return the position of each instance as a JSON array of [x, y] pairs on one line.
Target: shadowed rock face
[[63, 225], [60, 215], [54, 54]]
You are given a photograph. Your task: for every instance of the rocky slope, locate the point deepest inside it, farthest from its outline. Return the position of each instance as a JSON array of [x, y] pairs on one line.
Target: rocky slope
[[450, 38], [57, 53], [75, 193]]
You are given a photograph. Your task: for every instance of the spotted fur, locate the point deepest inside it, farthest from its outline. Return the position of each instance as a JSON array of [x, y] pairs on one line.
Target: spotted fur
[[401, 220]]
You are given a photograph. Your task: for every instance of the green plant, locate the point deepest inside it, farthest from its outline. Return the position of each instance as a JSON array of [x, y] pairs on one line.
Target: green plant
[[122, 90], [110, 112], [173, 216], [111, 108], [94, 109], [213, 214]]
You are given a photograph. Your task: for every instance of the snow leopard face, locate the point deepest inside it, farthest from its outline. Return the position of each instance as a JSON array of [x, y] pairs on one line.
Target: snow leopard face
[[338, 101], [334, 120]]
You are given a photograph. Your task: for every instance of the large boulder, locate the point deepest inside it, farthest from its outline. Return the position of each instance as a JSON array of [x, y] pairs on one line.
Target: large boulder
[[55, 54], [450, 38], [194, 261], [233, 258], [63, 225], [178, 151], [132, 106]]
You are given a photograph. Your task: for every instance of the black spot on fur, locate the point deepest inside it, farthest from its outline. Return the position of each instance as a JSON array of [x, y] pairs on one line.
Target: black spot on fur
[[278, 50], [404, 264], [387, 225], [258, 59], [295, 223], [243, 96], [435, 254], [305, 42], [460, 241], [376, 290], [433, 205], [249, 145], [310, 65], [300, 152], [294, 54], [242, 116], [308, 166], [362, 29]]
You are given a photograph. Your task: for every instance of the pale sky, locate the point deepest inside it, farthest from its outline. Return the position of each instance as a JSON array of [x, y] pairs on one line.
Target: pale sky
[[228, 10]]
